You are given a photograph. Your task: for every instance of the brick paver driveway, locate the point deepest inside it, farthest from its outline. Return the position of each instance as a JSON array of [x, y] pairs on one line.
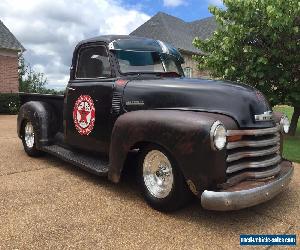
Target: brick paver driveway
[[46, 203]]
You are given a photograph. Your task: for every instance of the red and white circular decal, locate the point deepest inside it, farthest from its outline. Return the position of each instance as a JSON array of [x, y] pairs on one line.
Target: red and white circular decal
[[84, 114]]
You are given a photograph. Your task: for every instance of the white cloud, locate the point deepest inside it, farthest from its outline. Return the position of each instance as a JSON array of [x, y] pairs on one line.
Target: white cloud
[[49, 30], [173, 3], [216, 2]]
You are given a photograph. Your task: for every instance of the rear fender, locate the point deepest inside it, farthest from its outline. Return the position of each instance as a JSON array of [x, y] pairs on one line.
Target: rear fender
[[43, 119]]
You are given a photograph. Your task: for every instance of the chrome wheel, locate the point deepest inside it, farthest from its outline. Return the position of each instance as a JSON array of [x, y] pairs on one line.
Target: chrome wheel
[[29, 135], [157, 174]]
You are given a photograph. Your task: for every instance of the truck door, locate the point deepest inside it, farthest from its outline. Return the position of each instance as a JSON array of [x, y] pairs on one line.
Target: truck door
[[87, 114]]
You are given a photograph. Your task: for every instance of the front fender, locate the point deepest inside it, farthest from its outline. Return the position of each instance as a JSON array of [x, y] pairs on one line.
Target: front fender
[[184, 134], [43, 119]]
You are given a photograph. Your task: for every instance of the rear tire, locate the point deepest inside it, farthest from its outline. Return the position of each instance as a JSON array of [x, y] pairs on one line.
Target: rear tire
[[163, 185], [29, 140]]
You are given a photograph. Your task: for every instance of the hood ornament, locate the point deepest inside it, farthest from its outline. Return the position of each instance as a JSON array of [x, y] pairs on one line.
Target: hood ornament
[[266, 116]]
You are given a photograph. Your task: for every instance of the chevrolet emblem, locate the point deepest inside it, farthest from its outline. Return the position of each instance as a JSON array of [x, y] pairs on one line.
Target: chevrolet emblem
[[266, 116]]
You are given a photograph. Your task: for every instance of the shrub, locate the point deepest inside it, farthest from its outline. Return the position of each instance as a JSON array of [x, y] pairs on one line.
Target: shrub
[[9, 103]]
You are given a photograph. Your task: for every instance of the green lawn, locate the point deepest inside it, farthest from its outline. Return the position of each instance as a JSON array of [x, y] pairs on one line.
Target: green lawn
[[291, 147]]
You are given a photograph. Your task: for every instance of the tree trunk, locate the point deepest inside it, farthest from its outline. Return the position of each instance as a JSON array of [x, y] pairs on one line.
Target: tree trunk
[[294, 121]]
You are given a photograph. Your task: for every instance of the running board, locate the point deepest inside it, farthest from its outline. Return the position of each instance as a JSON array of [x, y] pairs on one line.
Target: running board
[[89, 163]]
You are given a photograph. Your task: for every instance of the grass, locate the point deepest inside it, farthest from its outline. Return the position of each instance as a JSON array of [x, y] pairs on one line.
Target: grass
[[291, 145]]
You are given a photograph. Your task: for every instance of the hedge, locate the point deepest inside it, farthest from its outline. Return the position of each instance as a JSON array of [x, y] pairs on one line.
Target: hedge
[[9, 103]]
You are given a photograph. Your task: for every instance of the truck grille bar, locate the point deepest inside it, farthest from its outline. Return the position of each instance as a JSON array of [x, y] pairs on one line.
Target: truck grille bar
[[261, 143], [255, 154], [263, 131], [252, 153], [253, 175], [254, 164]]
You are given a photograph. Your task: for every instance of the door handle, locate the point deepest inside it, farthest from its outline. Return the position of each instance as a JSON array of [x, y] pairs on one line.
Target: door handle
[[69, 88]]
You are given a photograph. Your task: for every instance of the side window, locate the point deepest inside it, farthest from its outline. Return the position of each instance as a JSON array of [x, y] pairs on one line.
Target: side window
[[188, 72], [93, 62]]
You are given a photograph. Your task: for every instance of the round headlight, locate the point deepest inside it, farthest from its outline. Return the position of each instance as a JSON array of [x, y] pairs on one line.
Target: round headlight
[[218, 135], [285, 124]]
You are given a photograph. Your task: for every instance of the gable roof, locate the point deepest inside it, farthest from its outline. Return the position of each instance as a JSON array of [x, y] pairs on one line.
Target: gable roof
[[175, 31], [8, 40]]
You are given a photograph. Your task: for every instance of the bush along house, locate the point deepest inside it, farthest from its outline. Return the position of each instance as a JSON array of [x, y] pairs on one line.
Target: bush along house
[[180, 34], [10, 47]]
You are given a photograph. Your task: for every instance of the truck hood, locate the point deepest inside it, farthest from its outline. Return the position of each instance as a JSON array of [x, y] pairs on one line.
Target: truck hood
[[239, 101]]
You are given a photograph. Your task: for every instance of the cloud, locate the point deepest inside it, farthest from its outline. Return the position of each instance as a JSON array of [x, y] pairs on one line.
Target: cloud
[[216, 2], [49, 30], [173, 3]]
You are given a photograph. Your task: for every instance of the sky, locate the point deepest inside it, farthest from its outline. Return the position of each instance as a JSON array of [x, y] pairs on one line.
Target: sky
[[49, 30]]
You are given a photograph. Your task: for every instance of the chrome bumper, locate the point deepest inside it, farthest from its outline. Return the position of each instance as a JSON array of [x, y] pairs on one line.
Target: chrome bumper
[[234, 200]]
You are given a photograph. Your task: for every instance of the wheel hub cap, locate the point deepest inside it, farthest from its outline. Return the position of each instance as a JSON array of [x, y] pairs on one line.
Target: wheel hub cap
[[157, 174], [29, 135]]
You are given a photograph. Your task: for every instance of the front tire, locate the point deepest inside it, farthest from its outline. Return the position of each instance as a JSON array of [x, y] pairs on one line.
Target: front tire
[[29, 139], [163, 185]]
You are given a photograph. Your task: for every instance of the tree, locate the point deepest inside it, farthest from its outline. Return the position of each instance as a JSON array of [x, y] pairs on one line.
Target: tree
[[257, 42], [29, 80], [33, 82]]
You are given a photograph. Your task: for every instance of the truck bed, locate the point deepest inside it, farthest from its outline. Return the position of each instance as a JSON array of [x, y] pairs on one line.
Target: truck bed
[[56, 101]]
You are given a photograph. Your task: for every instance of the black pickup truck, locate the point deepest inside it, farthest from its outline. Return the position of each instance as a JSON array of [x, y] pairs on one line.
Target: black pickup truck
[[217, 140]]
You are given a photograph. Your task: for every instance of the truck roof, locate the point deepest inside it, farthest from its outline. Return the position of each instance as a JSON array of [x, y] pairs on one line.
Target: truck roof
[[127, 42], [109, 38]]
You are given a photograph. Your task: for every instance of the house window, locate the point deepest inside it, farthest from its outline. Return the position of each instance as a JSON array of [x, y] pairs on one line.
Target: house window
[[188, 72]]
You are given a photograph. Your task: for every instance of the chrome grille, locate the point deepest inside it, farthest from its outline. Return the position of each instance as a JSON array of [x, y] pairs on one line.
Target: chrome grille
[[256, 154]]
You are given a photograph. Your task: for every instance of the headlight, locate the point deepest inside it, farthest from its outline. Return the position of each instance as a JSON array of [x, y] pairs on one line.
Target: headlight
[[218, 135], [285, 124]]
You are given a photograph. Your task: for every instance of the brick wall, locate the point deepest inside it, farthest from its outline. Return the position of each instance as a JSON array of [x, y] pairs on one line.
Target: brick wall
[[189, 62], [8, 72]]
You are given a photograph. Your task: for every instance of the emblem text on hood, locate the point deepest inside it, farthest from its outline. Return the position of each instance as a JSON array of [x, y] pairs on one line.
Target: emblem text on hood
[[266, 116]]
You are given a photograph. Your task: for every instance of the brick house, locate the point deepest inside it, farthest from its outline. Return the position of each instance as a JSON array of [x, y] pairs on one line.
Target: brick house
[[180, 34], [9, 49]]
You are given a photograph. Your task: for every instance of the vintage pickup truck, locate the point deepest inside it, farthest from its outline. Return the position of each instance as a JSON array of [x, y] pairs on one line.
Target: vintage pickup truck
[[214, 139]]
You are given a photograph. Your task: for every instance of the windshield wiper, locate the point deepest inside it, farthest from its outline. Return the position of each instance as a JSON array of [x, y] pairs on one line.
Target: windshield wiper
[[170, 74], [142, 72]]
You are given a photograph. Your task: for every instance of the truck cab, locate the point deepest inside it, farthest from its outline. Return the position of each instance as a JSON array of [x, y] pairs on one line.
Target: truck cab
[[97, 71], [215, 139]]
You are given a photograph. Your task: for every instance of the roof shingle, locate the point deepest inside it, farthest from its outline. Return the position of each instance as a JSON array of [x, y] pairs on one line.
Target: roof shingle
[[175, 31], [8, 40]]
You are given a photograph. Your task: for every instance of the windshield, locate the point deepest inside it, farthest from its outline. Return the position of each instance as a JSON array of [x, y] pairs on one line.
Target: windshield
[[147, 62]]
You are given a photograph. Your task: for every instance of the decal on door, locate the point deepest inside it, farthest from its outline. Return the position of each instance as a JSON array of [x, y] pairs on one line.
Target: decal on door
[[84, 114]]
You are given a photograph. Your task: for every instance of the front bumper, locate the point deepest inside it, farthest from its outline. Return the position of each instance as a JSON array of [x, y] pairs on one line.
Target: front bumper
[[248, 193]]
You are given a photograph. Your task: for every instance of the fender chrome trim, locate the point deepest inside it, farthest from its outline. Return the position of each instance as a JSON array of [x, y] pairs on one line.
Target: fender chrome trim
[[234, 200]]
